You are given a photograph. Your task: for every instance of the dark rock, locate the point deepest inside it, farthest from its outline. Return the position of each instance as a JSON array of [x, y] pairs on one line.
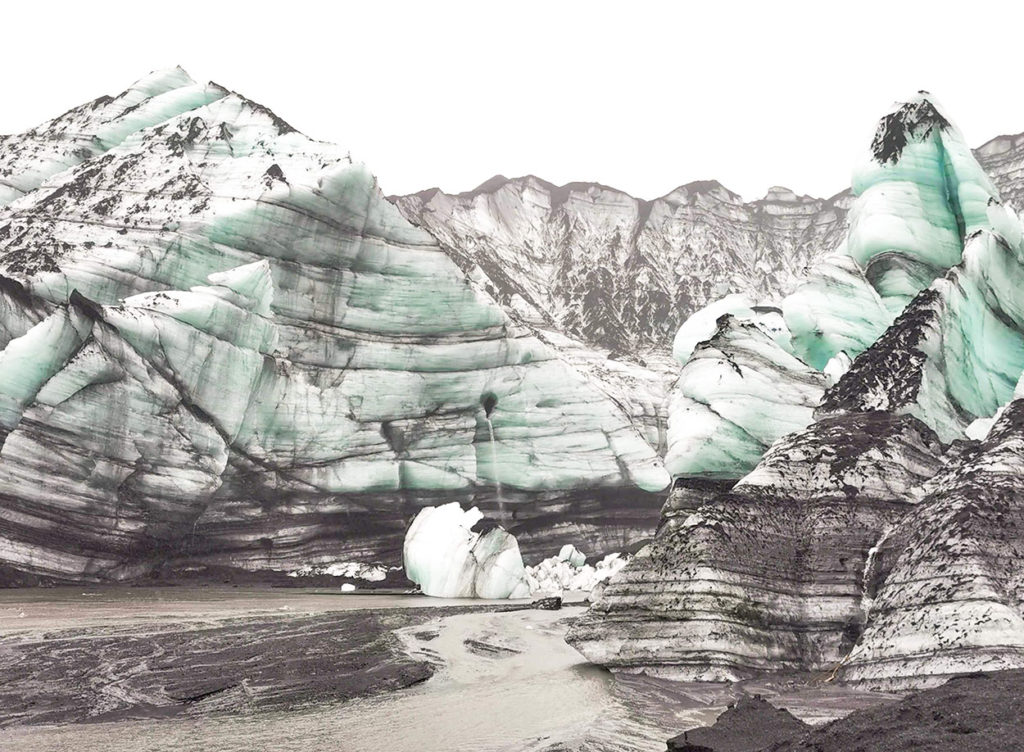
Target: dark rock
[[750, 725], [554, 603], [973, 713]]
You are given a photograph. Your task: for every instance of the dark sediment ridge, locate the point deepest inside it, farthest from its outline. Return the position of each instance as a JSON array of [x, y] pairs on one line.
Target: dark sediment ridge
[[971, 713], [192, 667], [750, 725]]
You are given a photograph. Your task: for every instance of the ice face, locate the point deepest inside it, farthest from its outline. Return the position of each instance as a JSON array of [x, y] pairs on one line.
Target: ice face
[[921, 199], [737, 393], [31, 360], [447, 559], [239, 335], [29, 159], [955, 354], [238, 252], [703, 324], [920, 194], [835, 310]]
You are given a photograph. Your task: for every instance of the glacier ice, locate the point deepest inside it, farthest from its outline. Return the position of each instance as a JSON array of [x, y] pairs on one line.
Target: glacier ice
[[922, 202], [447, 559], [569, 553], [835, 310], [920, 193], [702, 324], [872, 542], [950, 602], [956, 353], [736, 394], [557, 574], [299, 358]]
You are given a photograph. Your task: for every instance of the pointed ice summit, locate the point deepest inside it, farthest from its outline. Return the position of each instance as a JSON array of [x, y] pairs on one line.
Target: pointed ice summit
[[922, 198]]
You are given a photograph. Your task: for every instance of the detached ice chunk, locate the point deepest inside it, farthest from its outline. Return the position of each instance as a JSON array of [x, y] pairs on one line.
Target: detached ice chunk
[[572, 555], [500, 572], [448, 560], [557, 573]]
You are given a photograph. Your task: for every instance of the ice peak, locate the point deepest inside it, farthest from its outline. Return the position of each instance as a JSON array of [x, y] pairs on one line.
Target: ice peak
[[161, 81], [241, 105], [913, 120], [488, 186], [686, 193], [779, 193]]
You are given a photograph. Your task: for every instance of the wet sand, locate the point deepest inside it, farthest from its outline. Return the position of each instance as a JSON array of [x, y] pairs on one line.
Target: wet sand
[[249, 669]]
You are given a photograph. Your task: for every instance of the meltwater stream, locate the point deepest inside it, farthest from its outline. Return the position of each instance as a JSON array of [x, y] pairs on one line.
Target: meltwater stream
[[505, 682]]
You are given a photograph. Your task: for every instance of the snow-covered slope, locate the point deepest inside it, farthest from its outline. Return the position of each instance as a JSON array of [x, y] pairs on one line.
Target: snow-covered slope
[[224, 345], [623, 272]]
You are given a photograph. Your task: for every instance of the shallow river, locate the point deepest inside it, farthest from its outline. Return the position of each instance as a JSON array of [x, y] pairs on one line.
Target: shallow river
[[507, 681]]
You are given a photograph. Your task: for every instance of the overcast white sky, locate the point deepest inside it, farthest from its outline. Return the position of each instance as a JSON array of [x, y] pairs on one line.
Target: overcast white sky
[[643, 96]]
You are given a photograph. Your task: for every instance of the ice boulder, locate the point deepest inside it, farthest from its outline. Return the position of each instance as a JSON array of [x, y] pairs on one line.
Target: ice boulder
[[447, 559], [572, 555]]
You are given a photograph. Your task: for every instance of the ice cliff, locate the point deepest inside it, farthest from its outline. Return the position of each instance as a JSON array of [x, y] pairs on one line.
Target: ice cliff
[[224, 347], [921, 200]]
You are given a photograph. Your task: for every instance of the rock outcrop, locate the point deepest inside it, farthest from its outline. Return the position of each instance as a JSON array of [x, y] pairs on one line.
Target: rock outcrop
[[768, 576], [975, 713], [953, 598]]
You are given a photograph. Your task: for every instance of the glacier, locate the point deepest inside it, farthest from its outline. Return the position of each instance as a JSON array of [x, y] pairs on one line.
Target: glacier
[[921, 196], [223, 347], [881, 542]]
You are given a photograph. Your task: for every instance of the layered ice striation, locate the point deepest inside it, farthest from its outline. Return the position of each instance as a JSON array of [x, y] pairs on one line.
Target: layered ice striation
[[766, 576], [223, 345], [953, 597]]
